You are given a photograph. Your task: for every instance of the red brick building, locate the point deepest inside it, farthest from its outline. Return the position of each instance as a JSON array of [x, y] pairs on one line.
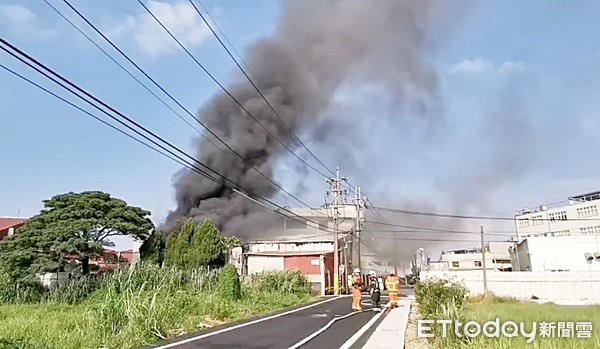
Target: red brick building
[[9, 226]]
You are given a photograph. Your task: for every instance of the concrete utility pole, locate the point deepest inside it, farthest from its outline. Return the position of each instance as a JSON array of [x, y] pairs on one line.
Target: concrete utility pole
[[335, 191], [358, 204], [485, 287]]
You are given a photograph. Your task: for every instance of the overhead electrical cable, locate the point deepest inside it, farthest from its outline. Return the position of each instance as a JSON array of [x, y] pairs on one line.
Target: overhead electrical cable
[[277, 185], [211, 76], [120, 115], [489, 218]]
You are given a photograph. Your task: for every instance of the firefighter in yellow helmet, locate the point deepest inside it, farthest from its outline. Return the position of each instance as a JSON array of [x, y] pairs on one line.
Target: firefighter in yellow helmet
[[356, 290], [392, 283]]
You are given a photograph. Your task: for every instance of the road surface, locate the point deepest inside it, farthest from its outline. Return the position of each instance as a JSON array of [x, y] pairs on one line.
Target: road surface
[[287, 330]]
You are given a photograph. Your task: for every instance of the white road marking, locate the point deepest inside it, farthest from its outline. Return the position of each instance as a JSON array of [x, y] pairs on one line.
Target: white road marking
[[350, 342], [321, 330], [227, 329]]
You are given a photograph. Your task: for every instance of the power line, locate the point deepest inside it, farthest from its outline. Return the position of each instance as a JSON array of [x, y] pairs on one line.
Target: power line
[[254, 85], [227, 92], [434, 231], [127, 71], [277, 185], [188, 165], [490, 218], [224, 36]]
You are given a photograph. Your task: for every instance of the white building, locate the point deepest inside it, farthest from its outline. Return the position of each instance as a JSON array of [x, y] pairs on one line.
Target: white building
[[497, 257], [567, 218], [304, 242], [558, 253]]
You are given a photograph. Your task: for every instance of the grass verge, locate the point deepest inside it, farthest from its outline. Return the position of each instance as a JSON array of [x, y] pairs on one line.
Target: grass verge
[[483, 309], [126, 314]]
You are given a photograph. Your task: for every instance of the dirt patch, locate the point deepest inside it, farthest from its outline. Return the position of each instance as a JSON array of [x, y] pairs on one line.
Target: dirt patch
[[411, 341]]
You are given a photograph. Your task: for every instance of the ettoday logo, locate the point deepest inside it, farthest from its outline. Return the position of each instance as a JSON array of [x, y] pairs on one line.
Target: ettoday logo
[[497, 329]]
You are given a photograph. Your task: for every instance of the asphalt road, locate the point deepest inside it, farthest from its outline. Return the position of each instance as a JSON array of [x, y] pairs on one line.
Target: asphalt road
[[288, 330]]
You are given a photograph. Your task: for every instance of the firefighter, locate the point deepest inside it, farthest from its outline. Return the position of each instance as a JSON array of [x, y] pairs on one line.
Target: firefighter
[[375, 290], [392, 283], [356, 290]]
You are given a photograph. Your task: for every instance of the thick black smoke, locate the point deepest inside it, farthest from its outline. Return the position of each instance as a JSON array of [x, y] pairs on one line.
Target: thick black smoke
[[318, 46]]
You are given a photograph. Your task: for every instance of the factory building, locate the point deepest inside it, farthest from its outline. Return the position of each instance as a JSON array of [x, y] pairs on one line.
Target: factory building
[[577, 216], [558, 254], [497, 257], [305, 243]]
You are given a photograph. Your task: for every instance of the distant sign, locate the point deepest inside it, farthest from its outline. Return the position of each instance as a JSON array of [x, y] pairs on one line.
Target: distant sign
[[341, 269], [315, 262]]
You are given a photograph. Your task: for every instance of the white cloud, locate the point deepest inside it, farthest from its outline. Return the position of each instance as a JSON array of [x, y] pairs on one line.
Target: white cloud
[[22, 20], [17, 13], [510, 67], [180, 18], [471, 66], [480, 65]]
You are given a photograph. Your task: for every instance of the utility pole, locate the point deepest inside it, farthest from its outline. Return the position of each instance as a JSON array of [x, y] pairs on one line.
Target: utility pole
[[358, 204], [485, 287], [335, 191]]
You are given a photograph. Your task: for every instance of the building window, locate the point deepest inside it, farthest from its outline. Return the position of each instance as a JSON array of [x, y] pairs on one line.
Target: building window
[[455, 264], [502, 261], [558, 216], [524, 222], [590, 231], [477, 263], [561, 233], [588, 211], [537, 220]]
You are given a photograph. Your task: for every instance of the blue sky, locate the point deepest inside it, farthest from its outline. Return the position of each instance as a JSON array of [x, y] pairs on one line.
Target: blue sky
[[519, 125]]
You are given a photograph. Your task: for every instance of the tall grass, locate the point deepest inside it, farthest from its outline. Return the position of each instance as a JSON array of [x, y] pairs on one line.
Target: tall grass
[[443, 300], [135, 307]]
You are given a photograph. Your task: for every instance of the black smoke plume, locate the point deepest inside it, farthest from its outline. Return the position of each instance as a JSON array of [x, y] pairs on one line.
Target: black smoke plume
[[318, 47]]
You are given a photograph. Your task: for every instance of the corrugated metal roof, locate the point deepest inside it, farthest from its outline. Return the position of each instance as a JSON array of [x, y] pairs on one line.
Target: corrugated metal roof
[[6, 223]]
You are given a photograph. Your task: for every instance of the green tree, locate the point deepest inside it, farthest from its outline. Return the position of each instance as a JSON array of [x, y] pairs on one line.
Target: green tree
[[195, 246], [74, 225], [206, 247], [229, 285], [153, 248], [178, 245]]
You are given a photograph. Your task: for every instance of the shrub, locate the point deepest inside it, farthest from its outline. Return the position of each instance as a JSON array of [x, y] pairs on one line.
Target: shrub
[[230, 287], [433, 295], [283, 282]]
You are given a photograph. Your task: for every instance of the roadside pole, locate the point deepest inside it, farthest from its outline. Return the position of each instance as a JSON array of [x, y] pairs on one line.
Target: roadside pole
[[483, 263]]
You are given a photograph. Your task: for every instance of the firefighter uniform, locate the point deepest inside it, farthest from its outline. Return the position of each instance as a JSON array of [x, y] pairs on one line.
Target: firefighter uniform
[[375, 290], [392, 283], [356, 290]]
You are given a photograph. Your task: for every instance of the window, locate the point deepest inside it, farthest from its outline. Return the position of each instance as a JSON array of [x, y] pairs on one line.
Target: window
[[524, 222], [590, 231], [455, 264], [587, 211], [502, 261], [558, 216], [537, 220], [477, 263], [561, 233]]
